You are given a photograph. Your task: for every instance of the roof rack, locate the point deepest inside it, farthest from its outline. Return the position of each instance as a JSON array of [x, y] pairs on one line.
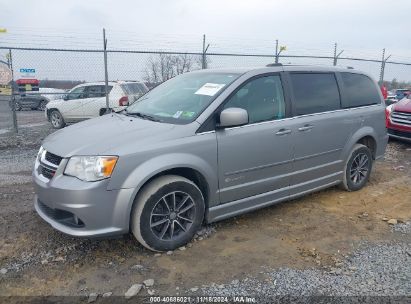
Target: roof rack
[[274, 64]]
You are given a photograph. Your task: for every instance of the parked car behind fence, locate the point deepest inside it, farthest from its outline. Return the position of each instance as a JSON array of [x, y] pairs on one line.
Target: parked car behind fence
[[37, 100], [88, 100]]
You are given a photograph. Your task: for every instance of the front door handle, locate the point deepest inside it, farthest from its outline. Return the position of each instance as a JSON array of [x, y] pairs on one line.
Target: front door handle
[[305, 128], [283, 132]]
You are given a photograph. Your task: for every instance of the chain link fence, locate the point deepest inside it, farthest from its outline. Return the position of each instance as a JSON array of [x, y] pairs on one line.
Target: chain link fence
[[131, 73]]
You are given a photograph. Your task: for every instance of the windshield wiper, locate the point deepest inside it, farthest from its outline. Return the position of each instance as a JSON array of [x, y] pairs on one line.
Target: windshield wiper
[[143, 116]]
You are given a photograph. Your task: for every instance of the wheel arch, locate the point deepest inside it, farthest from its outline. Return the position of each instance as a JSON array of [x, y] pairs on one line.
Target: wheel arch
[[189, 166], [366, 136], [48, 111], [184, 171], [370, 143]]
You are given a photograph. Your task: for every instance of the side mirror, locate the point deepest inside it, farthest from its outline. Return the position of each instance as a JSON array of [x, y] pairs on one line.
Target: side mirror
[[65, 97], [233, 117]]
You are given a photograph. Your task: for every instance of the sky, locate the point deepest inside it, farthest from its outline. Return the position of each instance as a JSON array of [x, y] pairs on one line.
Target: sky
[[362, 28]]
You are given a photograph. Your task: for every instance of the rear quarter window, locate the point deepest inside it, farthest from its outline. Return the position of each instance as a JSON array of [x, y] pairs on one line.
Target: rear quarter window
[[359, 90], [314, 93], [134, 88]]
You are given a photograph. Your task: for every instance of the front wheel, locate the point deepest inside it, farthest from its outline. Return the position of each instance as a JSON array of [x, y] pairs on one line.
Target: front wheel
[[42, 105], [167, 213], [358, 168], [56, 119]]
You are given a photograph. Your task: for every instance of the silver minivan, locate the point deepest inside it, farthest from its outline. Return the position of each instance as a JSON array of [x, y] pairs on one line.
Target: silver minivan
[[208, 145]]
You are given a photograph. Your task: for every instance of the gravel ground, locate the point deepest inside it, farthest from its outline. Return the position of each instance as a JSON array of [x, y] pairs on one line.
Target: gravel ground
[[372, 270]]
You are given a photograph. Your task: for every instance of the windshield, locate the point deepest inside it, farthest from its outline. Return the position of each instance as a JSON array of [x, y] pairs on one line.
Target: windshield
[[181, 99]]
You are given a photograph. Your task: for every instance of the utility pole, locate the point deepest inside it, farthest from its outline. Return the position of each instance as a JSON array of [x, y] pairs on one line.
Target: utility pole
[[105, 71], [204, 59], [383, 62], [336, 55]]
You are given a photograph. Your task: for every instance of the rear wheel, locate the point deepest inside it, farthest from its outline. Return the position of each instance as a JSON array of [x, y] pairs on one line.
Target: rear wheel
[[358, 168], [167, 213], [56, 119]]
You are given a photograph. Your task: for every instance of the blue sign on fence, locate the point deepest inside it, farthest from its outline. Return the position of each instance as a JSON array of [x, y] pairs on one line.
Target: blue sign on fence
[[31, 71]]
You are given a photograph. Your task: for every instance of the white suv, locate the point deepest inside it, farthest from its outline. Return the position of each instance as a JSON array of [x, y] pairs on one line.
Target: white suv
[[88, 100]]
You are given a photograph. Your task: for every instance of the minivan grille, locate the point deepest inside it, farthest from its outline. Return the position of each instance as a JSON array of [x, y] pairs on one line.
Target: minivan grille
[[401, 118], [53, 158], [49, 165], [47, 172]]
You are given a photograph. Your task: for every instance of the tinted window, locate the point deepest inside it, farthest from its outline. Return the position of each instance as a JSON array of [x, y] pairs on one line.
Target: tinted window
[[134, 88], [262, 98], [97, 91], [314, 93], [77, 93], [359, 91]]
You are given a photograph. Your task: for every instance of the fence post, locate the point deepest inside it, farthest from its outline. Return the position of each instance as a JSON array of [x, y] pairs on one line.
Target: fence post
[[382, 66], [276, 51], [383, 62], [336, 55], [105, 71], [204, 59], [12, 97]]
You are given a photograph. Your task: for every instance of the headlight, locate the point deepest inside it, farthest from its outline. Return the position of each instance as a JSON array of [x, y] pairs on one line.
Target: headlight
[[91, 168], [40, 153]]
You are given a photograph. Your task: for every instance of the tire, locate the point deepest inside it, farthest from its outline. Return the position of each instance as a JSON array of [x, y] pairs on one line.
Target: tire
[[357, 168], [153, 199], [104, 111], [56, 119], [42, 105]]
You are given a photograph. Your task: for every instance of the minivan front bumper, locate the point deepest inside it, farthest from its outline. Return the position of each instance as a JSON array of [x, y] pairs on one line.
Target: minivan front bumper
[[83, 209]]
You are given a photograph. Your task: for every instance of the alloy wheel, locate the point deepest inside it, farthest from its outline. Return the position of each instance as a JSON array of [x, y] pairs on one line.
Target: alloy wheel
[[172, 215], [359, 168], [56, 119]]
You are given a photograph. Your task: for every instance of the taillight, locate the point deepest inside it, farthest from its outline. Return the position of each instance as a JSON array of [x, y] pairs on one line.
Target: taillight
[[123, 101], [388, 111]]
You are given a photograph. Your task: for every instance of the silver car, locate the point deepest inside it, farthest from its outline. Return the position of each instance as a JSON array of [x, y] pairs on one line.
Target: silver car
[[209, 145]]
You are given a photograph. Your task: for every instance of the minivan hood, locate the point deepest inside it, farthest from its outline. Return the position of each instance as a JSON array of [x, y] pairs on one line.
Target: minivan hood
[[103, 134], [403, 105]]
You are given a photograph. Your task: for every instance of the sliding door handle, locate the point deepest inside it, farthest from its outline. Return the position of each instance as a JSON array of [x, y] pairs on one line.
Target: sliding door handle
[[283, 132], [305, 128]]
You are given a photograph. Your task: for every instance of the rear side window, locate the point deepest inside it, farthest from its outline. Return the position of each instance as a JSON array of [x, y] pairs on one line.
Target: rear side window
[[134, 88], [314, 93], [359, 91], [97, 91]]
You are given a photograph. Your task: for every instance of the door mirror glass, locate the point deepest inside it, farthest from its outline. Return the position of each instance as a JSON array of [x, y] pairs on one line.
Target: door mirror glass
[[233, 117]]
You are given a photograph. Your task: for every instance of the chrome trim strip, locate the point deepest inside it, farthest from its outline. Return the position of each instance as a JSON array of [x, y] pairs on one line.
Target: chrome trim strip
[[399, 122]]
